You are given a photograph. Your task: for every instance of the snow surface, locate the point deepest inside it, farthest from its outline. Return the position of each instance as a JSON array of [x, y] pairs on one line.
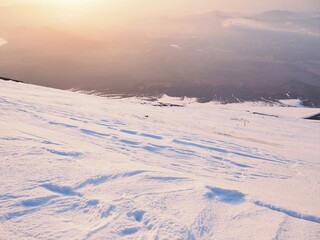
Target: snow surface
[[75, 166], [292, 102]]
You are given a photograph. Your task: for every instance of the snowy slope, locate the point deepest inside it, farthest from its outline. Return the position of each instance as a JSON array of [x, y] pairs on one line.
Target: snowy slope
[[75, 166]]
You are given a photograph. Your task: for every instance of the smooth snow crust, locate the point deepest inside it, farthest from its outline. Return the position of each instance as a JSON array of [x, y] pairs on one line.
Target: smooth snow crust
[[75, 166]]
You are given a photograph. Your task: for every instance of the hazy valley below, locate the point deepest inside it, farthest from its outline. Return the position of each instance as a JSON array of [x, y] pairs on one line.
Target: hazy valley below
[[213, 56]]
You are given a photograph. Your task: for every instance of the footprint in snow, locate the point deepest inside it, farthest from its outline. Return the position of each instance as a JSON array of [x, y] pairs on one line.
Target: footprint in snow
[[35, 202], [136, 215], [129, 231]]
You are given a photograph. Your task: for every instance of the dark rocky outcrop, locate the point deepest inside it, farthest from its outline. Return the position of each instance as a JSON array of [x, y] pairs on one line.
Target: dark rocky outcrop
[[314, 117], [10, 79]]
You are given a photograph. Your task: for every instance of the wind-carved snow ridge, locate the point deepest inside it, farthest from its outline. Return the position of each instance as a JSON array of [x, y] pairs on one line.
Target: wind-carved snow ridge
[[77, 166], [235, 197], [289, 212]]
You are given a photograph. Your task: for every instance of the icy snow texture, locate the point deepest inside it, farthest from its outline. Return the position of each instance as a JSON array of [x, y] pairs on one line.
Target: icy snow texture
[[75, 166]]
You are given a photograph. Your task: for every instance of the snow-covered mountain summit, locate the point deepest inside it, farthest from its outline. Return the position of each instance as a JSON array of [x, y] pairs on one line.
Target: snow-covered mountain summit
[[76, 166]]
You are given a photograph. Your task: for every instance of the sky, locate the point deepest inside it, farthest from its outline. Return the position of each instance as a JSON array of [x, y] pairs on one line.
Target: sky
[[183, 6]]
